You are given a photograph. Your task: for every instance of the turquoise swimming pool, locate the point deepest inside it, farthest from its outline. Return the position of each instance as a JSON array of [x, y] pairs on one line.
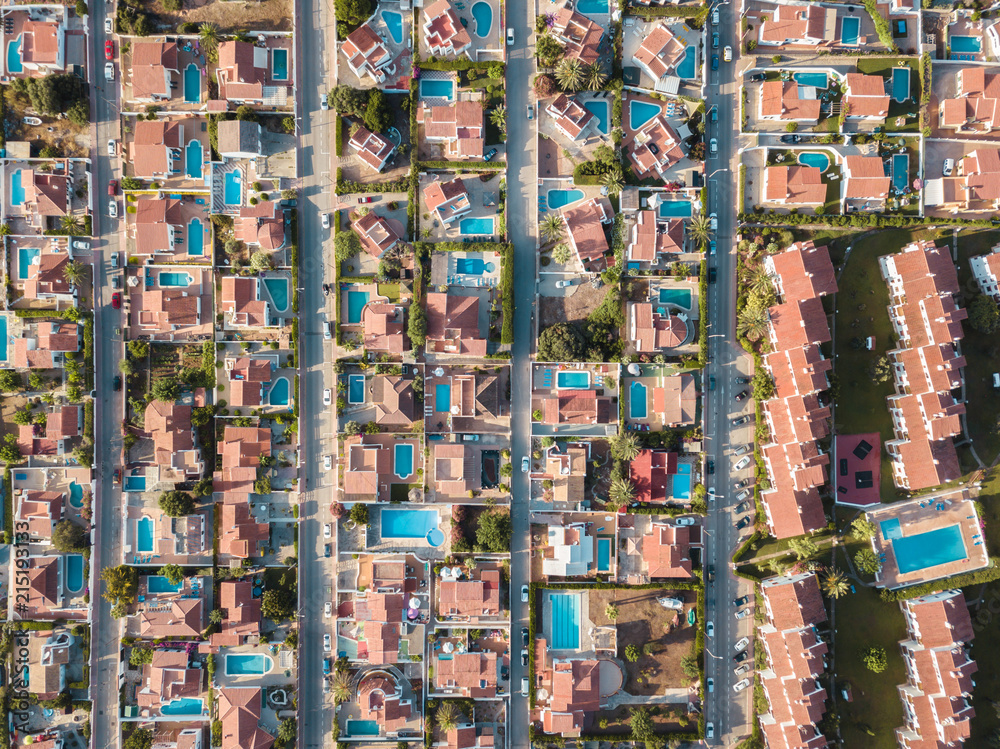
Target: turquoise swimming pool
[[681, 481], [437, 88], [967, 44], [476, 226], [442, 399], [638, 407], [601, 109], [675, 209], [184, 706], [277, 289], [394, 22], [14, 64], [816, 80], [593, 6], [173, 279], [819, 160], [564, 625], [144, 535], [559, 198], [356, 389], [135, 483], [233, 184], [243, 664], [358, 728], [402, 460], [192, 84], [75, 495], [679, 297], [74, 573], [356, 301], [26, 257], [641, 112], [901, 84], [924, 550], [193, 160], [411, 524], [900, 171], [279, 64], [280, 390], [573, 379], [850, 30], [604, 554], [3, 338], [16, 189], [160, 584], [686, 68], [196, 238], [482, 13], [473, 266]]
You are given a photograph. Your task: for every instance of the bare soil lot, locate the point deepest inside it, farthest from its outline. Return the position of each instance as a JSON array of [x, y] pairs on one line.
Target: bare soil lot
[[578, 303], [268, 15]]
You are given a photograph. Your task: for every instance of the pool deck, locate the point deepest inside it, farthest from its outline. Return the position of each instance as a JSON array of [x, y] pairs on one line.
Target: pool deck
[[483, 196], [662, 376], [959, 509], [147, 317], [179, 213], [282, 660], [444, 270], [400, 66], [195, 128], [574, 415], [479, 397]]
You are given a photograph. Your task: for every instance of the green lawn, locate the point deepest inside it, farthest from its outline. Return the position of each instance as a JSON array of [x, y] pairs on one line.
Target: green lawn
[[883, 67], [832, 204], [863, 620]]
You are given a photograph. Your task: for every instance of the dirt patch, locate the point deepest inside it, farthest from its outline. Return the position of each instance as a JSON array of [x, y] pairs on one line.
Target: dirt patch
[[643, 621], [666, 719], [68, 139], [269, 15], [167, 360], [576, 305]]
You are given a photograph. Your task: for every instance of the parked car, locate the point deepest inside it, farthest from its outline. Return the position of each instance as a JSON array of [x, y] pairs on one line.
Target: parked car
[[711, 247], [524, 657], [758, 77], [740, 420], [564, 284], [713, 146], [116, 282], [109, 71], [112, 149], [524, 594], [530, 112], [328, 551], [743, 522], [325, 220], [524, 636], [709, 730], [327, 643], [740, 657], [109, 26], [713, 221], [324, 103], [510, 37], [327, 462], [741, 685], [113, 208], [491, 154], [741, 644], [709, 629], [327, 397], [109, 50], [740, 484], [504, 673], [741, 669], [525, 464], [715, 62], [715, 40], [116, 384], [328, 611], [743, 449], [116, 300], [710, 685], [116, 476], [948, 167], [524, 686], [327, 530], [326, 289], [711, 382], [711, 572], [742, 395], [791, 138], [327, 667], [742, 380], [741, 601], [741, 508], [327, 332], [116, 260], [743, 495], [79, 244], [710, 468], [365, 199], [684, 521], [745, 612], [715, 114], [727, 53], [715, 16], [112, 187], [743, 463]]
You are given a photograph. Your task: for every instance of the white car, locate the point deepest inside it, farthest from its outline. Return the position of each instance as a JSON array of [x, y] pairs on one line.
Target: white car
[[713, 147], [744, 613], [741, 685], [740, 670], [727, 54], [328, 533], [713, 221], [564, 284], [525, 464], [324, 103], [524, 686], [715, 16], [524, 594], [327, 643], [79, 245], [326, 220], [327, 397], [709, 629], [109, 71], [743, 463], [743, 642], [530, 111], [510, 37], [709, 730], [709, 685], [112, 151], [328, 609], [327, 462], [684, 521], [109, 26], [948, 168], [113, 209]]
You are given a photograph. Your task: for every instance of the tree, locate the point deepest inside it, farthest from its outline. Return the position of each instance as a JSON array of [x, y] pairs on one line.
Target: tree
[[803, 548], [346, 245], [545, 86], [359, 514], [613, 180], [862, 528], [166, 389], [126, 367], [447, 716], [352, 428], [209, 34], [494, 531], [867, 561], [71, 224], [352, 12], [341, 686], [498, 116], [548, 50], [141, 738], [140, 655], [261, 261], [122, 583], [625, 446], [67, 536], [835, 583], [277, 604], [215, 616], [10, 381], [700, 229], [983, 314], [79, 113], [286, 731], [880, 370], [552, 227], [562, 254], [378, 116], [560, 342], [173, 572], [641, 724], [205, 486], [622, 490], [875, 659], [416, 327], [349, 101], [176, 503], [791, 127], [138, 349], [758, 281], [570, 74], [762, 384], [21, 417], [631, 653], [74, 272], [611, 611], [596, 77], [752, 322]]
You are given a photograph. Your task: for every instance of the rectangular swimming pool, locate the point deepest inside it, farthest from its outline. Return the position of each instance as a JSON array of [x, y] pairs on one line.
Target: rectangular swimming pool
[[573, 380], [183, 706], [173, 279], [850, 30], [279, 64], [681, 481], [26, 257], [248, 664], [408, 523], [900, 171], [357, 728], [355, 389], [402, 460], [604, 554], [680, 297], [900, 84], [966, 44], [561, 198], [437, 88], [144, 535], [442, 399], [564, 626], [816, 80], [924, 550], [356, 301], [160, 584], [675, 209], [638, 407], [469, 226], [233, 188], [74, 573], [192, 84], [135, 483]]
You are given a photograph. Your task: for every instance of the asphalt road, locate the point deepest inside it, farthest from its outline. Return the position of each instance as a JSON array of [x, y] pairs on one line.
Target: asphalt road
[[107, 403], [729, 712]]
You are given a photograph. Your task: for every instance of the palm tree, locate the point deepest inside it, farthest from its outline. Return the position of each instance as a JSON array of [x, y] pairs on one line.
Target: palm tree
[[803, 548], [447, 716], [752, 322], [622, 491], [209, 34], [777, 566], [700, 229], [758, 280], [613, 180], [596, 77], [73, 272], [625, 446], [552, 227], [341, 686], [499, 118], [70, 224], [835, 583], [569, 74]]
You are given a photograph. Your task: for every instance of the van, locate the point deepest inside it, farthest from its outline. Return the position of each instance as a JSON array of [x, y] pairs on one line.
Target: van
[[524, 686], [327, 331], [996, 380]]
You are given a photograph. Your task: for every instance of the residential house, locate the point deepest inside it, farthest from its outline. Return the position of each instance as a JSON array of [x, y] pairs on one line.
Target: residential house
[[383, 328], [578, 407], [393, 399], [369, 469], [470, 674], [380, 698], [45, 589], [650, 473], [580, 37], [374, 150], [239, 712], [37, 514], [470, 600], [666, 551], [976, 106], [261, 226], [156, 226], [571, 118], [243, 303], [865, 180], [575, 693], [459, 128], [173, 617], [239, 139], [240, 536], [655, 241], [986, 271], [242, 72], [585, 224], [979, 181], [780, 100], [240, 614], [61, 424], [453, 325], [456, 470], [366, 53], [45, 195], [156, 151], [807, 26], [865, 97], [566, 468], [48, 655], [46, 278], [656, 148], [449, 200], [654, 329], [44, 345], [376, 234], [443, 32], [169, 426], [569, 551], [43, 45], [674, 400], [794, 186], [659, 54], [154, 70], [166, 678]]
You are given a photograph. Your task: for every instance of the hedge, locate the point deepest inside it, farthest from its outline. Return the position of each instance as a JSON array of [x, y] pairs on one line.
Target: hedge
[[753, 537], [881, 25], [88, 352], [293, 249], [455, 65], [347, 186], [65, 314], [863, 220], [703, 314], [661, 509], [412, 207], [958, 581], [507, 294], [658, 12], [498, 247], [338, 134], [469, 166]]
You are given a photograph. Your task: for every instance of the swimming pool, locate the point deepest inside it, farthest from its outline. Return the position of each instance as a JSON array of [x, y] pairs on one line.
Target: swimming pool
[[184, 706], [473, 266], [277, 289], [356, 301], [402, 460], [26, 257], [196, 238], [248, 665], [593, 6], [476, 226], [76, 495], [412, 524], [816, 80], [482, 13], [437, 88], [74, 573], [819, 160], [573, 380], [279, 392], [394, 22], [900, 171], [135, 483], [193, 160], [686, 67], [279, 64], [560, 198], [14, 64], [442, 399], [641, 112], [356, 389], [356, 728], [850, 30], [233, 193], [962, 44], [680, 297], [638, 407], [601, 109], [564, 626], [16, 189], [900, 84], [192, 84], [923, 550], [173, 279], [3, 338], [144, 535], [604, 554], [675, 209], [682, 481], [160, 584]]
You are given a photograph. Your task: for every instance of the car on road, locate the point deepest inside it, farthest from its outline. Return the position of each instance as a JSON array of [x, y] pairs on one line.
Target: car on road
[[741, 601], [713, 146], [715, 114], [790, 138], [524, 594], [743, 449], [741, 644], [741, 685], [530, 112], [741, 507], [742, 395], [327, 530], [327, 643], [109, 26], [116, 260], [510, 37], [710, 493], [711, 382], [525, 464], [116, 300], [328, 609], [715, 40], [524, 636], [324, 103], [711, 247], [491, 154], [740, 420], [325, 220], [684, 521], [504, 673], [328, 551], [113, 208], [116, 476], [109, 71], [109, 50], [711, 275], [710, 468], [327, 397], [727, 54], [327, 667], [116, 384], [709, 730], [709, 685], [524, 657], [112, 150], [709, 629], [743, 463], [742, 380], [715, 16], [744, 613], [711, 572], [715, 62], [112, 187], [948, 167], [758, 77], [713, 221], [740, 657], [365, 199], [739, 670], [743, 522], [524, 686], [741, 484], [327, 462]]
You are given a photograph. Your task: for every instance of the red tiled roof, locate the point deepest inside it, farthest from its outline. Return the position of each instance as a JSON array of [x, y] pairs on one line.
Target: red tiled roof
[[781, 99], [794, 185]]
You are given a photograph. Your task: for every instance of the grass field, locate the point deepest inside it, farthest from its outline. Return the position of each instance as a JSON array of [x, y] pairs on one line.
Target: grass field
[[986, 623]]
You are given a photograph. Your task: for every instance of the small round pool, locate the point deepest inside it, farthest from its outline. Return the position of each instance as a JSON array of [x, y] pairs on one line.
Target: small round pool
[[435, 537], [483, 14], [819, 160]]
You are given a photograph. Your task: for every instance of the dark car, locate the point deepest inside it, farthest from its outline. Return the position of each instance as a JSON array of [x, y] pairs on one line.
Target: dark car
[[711, 382], [711, 572], [711, 275], [790, 138], [117, 383], [524, 657], [739, 420], [743, 523], [741, 508], [117, 476], [742, 380], [740, 484], [715, 62], [740, 657], [328, 551], [758, 77], [524, 636], [742, 395], [366, 199], [116, 300], [741, 601], [710, 467], [715, 40], [491, 154], [504, 673]]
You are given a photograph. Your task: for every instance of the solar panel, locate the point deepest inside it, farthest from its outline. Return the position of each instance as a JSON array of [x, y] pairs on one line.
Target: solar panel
[[861, 451], [863, 480]]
